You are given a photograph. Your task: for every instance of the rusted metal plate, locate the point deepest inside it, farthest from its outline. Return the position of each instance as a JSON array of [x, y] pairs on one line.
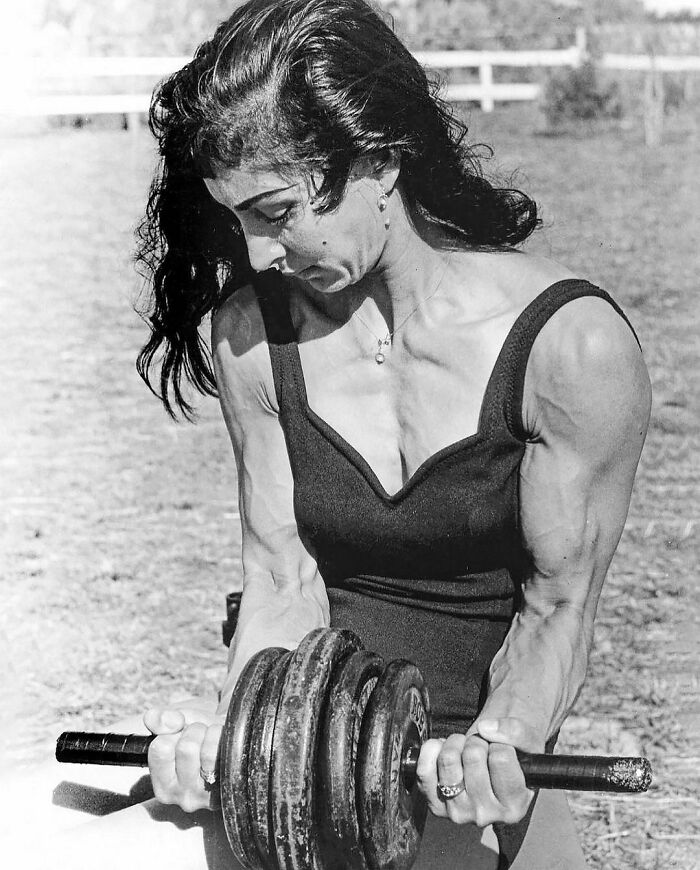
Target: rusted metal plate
[[353, 683], [293, 770], [260, 754], [391, 810], [233, 764]]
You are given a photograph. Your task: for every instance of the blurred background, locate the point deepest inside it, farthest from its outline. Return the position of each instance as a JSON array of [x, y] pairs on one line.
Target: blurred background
[[119, 527], [153, 27]]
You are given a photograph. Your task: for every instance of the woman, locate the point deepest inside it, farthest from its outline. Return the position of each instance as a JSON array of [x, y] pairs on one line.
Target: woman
[[436, 435]]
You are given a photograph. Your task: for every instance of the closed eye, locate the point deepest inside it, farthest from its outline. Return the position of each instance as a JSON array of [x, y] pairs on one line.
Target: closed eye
[[280, 219]]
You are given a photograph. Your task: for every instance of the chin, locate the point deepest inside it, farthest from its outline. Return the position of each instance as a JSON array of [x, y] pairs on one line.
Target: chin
[[326, 282]]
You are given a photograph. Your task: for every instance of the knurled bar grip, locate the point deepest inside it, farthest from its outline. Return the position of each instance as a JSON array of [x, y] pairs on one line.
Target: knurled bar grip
[[573, 772], [123, 750]]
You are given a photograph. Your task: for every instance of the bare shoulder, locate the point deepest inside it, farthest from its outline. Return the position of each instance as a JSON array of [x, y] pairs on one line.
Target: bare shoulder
[[586, 372], [238, 323], [240, 350]]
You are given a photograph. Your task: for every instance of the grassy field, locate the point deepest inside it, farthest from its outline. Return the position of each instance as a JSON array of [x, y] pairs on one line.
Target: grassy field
[[119, 534]]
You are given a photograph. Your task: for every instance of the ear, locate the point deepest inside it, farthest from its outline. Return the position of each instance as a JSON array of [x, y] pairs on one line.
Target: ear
[[387, 170], [384, 168]]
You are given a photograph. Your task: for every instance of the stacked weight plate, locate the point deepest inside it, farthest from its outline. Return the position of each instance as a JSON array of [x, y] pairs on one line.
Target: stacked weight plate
[[311, 765]]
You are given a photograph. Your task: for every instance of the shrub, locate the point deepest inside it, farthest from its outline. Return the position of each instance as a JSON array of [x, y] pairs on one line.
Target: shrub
[[577, 94]]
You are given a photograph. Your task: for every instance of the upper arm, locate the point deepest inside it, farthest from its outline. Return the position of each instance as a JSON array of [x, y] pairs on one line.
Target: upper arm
[[587, 404], [272, 551]]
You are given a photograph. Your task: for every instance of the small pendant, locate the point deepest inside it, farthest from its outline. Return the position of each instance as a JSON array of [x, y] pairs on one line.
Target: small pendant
[[379, 356]]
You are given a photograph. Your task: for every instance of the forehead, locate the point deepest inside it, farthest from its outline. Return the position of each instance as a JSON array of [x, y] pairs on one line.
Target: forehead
[[234, 186]]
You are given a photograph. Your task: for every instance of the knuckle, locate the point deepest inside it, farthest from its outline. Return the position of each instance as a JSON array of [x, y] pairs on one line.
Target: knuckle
[[161, 750], [484, 817], [500, 754], [189, 803], [426, 759], [517, 728], [473, 754], [437, 808], [187, 750], [163, 795], [448, 757], [512, 816], [515, 810], [461, 815], [195, 730]]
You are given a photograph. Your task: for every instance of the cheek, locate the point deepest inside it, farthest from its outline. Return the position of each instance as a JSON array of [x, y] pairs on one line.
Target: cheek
[[356, 237], [348, 241]]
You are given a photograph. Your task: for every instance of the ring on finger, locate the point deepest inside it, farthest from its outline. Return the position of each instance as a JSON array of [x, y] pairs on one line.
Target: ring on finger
[[448, 792], [209, 777]]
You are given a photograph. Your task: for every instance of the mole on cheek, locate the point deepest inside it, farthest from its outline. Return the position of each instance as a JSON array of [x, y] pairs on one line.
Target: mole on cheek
[[324, 242]]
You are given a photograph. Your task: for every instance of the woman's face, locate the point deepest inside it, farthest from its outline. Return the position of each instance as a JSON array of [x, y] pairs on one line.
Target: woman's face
[[329, 251]]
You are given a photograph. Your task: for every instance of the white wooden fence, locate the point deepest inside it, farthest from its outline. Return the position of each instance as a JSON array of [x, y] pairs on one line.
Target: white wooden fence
[[27, 91]]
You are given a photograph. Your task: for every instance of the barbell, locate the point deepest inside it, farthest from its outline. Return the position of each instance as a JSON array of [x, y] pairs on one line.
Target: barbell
[[318, 756]]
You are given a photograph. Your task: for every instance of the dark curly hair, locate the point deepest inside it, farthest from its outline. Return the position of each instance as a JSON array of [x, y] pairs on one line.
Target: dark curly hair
[[311, 85]]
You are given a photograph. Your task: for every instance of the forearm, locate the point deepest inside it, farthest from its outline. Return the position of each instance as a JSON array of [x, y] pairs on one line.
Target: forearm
[[272, 614], [538, 672]]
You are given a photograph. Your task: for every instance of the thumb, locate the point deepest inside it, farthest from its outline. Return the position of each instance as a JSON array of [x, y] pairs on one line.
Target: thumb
[[164, 721], [509, 730]]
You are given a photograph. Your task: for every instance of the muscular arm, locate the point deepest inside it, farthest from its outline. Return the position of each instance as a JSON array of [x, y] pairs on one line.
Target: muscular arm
[[283, 594], [587, 409]]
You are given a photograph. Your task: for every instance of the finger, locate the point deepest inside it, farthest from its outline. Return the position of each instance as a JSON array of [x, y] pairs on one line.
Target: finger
[[486, 808], [164, 720], [192, 715], [509, 730], [161, 763], [427, 777], [188, 757], [209, 752], [459, 808], [508, 782], [209, 755]]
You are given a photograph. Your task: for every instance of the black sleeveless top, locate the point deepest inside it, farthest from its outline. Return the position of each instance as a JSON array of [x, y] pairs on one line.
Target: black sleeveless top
[[432, 572]]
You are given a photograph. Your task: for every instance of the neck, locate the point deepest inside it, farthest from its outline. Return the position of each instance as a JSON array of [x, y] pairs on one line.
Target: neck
[[410, 269]]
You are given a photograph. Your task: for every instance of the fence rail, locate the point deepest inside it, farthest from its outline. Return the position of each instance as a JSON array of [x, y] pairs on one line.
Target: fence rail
[[25, 91]]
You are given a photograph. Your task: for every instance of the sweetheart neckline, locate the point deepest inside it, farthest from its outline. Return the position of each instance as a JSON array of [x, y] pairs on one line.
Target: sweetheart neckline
[[353, 455]]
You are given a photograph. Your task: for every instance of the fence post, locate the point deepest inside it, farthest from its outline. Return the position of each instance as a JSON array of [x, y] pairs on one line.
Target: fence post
[[653, 104], [486, 82], [581, 45], [133, 122]]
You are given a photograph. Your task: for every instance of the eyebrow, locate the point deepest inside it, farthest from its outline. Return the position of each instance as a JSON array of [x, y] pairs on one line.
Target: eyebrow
[[247, 203]]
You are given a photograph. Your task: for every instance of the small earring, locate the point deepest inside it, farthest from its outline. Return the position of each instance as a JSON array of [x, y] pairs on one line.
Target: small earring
[[383, 200]]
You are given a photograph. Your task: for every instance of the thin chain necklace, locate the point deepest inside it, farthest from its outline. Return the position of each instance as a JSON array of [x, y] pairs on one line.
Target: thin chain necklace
[[379, 356]]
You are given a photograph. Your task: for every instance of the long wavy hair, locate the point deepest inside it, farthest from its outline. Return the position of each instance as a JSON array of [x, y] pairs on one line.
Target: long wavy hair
[[311, 85]]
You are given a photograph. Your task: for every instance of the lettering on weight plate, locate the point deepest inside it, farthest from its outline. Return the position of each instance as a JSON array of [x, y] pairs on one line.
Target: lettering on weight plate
[[417, 714]]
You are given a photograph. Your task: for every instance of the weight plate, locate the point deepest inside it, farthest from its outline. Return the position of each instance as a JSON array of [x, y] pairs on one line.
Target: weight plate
[[352, 685], [259, 757], [391, 810], [295, 747], [233, 762]]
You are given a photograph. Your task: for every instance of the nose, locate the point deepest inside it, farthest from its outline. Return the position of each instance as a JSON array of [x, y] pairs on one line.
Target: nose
[[264, 252]]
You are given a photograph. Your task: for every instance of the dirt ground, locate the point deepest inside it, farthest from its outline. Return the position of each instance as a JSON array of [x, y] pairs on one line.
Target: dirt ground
[[118, 533]]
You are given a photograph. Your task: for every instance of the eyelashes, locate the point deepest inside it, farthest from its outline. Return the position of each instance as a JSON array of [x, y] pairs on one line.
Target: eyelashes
[[280, 220]]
